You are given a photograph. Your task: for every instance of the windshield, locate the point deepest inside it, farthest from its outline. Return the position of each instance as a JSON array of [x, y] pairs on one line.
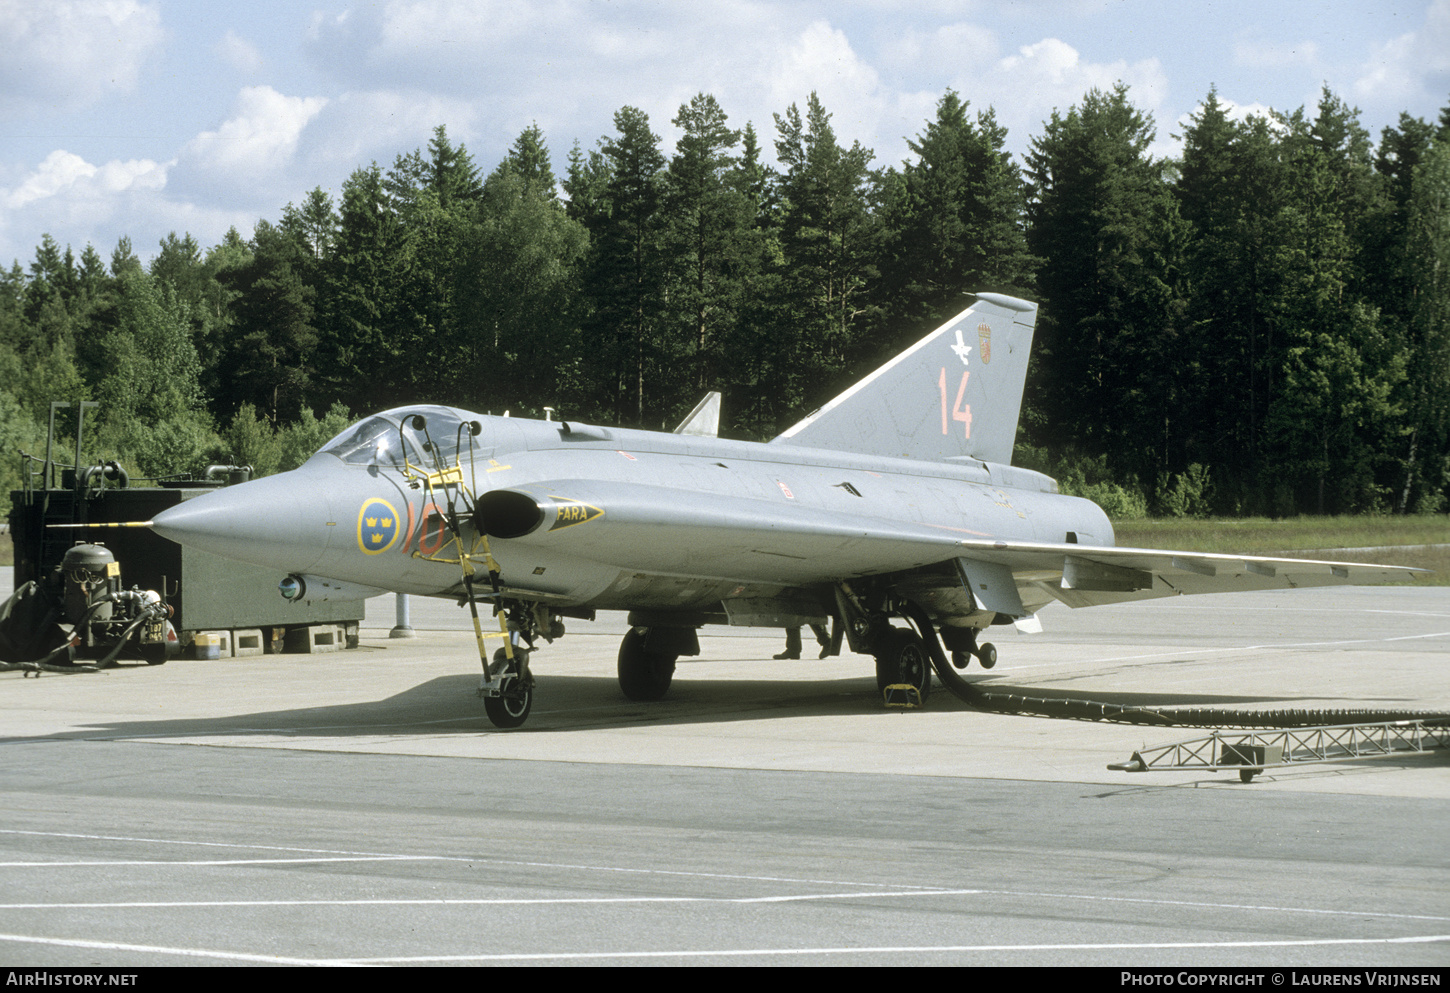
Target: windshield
[[386, 438]]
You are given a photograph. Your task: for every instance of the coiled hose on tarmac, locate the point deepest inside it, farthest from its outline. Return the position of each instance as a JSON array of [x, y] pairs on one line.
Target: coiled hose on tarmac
[[1007, 700]]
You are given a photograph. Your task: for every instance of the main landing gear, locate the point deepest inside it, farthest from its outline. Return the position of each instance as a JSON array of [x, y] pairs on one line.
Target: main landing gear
[[645, 670], [902, 658], [905, 657]]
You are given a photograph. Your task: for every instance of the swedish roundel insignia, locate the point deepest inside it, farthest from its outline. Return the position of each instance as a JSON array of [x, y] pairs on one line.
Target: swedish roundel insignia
[[377, 526]]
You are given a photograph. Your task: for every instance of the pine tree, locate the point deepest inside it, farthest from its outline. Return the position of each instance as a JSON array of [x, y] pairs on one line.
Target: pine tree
[[954, 220], [707, 223], [368, 330], [518, 287], [448, 174], [1334, 418], [830, 240], [1230, 189], [528, 158], [761, 381], [1100, 220], [584, 184], [626, 276], [1426, 479], [270, 360]]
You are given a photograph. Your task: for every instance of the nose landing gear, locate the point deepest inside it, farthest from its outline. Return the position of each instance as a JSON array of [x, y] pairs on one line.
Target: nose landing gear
[[508, 694]]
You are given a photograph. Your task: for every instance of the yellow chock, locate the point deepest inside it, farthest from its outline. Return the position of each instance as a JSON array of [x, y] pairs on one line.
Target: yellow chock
[[903, 695]]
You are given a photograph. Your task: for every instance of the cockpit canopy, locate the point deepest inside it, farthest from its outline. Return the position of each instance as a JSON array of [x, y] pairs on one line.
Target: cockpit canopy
[[390, 438]]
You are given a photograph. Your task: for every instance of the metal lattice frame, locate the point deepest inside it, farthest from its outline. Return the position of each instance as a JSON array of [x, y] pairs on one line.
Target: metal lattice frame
[[1253, 752]]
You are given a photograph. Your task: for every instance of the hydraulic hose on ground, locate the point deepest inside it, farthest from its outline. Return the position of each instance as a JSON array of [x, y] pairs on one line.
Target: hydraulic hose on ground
[[1009, 701]]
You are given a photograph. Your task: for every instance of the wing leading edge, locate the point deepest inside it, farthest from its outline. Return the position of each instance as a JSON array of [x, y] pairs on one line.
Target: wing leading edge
[[1090, 576]]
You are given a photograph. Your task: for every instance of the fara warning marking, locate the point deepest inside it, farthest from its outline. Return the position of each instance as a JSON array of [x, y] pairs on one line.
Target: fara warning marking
[[573, 512]]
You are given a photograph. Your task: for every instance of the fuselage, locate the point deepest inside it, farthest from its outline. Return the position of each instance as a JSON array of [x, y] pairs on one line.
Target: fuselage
[[624, 519]]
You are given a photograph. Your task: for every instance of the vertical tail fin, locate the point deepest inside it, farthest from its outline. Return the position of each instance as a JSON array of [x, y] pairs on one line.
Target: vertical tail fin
[[704, 420], [956, 392]]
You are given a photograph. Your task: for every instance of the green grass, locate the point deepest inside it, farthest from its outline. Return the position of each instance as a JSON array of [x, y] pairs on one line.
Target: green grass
[[1307, 537]]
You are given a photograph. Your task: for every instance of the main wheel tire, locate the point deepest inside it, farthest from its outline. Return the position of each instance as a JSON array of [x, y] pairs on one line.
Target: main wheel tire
[[511, 708], [903, 658], [643, 675], [987, 655]]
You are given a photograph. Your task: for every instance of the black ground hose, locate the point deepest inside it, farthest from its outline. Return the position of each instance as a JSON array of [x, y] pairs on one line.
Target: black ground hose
[[1008, 700]]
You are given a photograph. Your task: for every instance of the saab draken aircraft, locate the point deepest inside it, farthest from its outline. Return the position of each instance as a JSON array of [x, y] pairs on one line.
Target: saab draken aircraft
[[892, 518]]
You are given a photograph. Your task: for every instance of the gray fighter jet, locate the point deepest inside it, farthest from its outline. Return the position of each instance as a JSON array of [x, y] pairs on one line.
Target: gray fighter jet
[[892, 517]]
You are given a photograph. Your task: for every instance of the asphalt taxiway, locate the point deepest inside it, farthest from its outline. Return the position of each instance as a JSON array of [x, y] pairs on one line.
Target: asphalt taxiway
[[357, 807]]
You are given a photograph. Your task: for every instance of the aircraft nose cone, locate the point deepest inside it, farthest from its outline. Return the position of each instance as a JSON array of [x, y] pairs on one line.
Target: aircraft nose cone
[[278, 521]]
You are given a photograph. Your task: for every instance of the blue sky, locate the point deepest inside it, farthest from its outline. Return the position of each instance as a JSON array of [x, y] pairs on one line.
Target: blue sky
[[143, 117]]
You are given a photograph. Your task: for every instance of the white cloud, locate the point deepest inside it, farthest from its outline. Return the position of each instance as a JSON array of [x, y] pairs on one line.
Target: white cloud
[[1241, 111], [1051, 74], [821, 60], [408, 28], [569, 65], [69, 178], [360, 126], [60, 56], [1261, 54], [83, 202], [260, 138], [1022, 88], [238, 53], [948, 50], [1411, 65]]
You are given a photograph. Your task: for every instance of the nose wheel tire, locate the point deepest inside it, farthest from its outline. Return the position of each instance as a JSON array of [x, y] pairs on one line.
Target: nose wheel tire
[[516, 693]]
